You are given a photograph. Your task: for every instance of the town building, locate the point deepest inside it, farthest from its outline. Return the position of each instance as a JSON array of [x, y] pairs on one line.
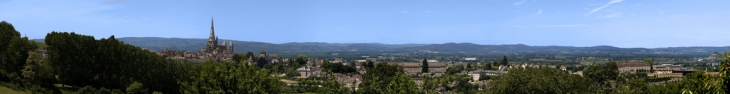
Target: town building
[[633, 67], [414, 68], [211, 51], [476, 74]]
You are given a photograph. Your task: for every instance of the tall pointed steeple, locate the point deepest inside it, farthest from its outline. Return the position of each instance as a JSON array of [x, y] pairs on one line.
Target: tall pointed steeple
[[212, 40], [212, 29]]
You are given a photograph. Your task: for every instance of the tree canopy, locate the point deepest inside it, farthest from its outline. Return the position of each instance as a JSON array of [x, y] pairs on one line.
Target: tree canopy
[[387, 79], [542, 80]]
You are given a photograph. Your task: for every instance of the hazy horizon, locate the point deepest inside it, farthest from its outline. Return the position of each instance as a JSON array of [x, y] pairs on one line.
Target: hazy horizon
[[618, 23]]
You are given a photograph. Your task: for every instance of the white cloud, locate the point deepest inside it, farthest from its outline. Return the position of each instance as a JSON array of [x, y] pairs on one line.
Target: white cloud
[[519, 3], [613, 15], [539, 11], [604, 6]]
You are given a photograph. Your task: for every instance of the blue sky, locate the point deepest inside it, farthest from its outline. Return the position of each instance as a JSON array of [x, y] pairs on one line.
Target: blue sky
[[621, 23]]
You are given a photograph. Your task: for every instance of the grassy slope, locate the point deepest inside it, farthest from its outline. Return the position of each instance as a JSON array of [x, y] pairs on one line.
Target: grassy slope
[[6, 90]]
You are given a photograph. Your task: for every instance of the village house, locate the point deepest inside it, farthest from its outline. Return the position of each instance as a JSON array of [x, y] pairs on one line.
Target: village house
[[476, 74], [349, 81], [415, 68], [633, 67]]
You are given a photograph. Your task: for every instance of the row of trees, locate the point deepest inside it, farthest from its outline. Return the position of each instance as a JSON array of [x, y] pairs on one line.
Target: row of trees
[[602, 78], [81, 60]]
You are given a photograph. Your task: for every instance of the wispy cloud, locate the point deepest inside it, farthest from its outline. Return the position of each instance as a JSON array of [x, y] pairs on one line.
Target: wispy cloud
[[519, 3], [604, 6], [539, 11], [612, 15]]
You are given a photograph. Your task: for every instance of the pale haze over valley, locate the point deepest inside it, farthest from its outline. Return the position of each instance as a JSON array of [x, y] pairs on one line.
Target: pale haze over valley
[[620, 23]]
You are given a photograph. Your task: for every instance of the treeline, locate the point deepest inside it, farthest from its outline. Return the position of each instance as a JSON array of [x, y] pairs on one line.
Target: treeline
[[603, 78], [79, 63], [82, 64], [80, 60]]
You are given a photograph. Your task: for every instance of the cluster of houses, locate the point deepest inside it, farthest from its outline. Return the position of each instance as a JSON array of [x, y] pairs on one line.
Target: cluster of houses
[[314, 69], [663, 70]]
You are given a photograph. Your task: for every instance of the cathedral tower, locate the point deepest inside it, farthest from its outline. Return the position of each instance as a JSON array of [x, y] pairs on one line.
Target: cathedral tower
[[212, 40]]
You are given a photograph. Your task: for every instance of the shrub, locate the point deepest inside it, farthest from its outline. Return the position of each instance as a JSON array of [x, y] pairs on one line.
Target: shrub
[[136, 88]]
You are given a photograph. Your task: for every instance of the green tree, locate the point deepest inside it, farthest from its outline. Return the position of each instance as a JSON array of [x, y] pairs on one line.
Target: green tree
[[337, 67], [601, 73], [541, 80], [387, 79], [488, 66], [632, 86], [7, 34], [424, 68], [505, 61], [369, 64], [238, 57], [13, 52], [455, 69], [302, 59], [699, 82], [725, 70], [37, 70], [224, 77], [248, 55], [651, 65], [17, 54], [136, 88]]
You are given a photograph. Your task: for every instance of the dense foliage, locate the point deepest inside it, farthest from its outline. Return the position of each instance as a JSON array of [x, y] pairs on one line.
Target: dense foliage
[[338, 67], [81, 60], [224, 77], [542, 80], [387, 79], [602, 73], [13, 53]]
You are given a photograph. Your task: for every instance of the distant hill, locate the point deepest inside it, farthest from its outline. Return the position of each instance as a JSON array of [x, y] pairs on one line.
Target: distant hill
[[156, 43], [191, 44]]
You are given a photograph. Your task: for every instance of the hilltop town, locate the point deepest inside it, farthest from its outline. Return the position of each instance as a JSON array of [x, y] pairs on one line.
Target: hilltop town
[[460, 72], [71, 62]]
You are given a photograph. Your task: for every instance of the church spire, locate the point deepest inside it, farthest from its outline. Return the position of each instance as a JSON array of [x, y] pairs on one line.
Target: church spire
[[212, 30], [212, 40]]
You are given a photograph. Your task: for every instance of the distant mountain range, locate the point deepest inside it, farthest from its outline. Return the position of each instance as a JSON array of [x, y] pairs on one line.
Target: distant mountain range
[[190, 44]]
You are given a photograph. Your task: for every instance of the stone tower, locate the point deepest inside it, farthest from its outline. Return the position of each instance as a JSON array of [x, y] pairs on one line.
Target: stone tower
[[231, 44], [212, 40]]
